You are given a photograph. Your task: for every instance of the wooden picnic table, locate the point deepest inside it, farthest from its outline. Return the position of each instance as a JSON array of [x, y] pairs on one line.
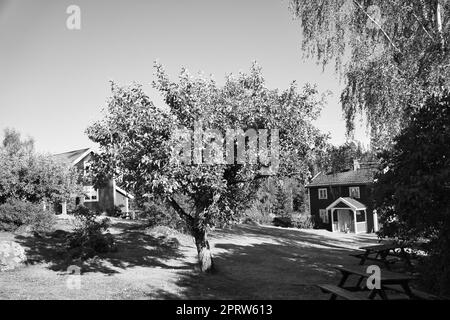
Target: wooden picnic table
[[381, 252], [387, 278]]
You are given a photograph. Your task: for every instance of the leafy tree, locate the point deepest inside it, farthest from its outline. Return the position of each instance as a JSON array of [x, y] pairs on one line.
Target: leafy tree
[[392, 55], [412, 196], [284, 197], [27, 175], [15, 213], [280, 200], [137, 143], [265, 198], [340, 158], [13, 143]]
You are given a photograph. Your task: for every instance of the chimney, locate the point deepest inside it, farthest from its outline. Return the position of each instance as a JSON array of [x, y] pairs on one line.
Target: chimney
[[356, 165]]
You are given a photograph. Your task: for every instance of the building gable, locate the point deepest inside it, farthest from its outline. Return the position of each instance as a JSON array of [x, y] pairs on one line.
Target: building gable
[[73, 157], [341, 204]]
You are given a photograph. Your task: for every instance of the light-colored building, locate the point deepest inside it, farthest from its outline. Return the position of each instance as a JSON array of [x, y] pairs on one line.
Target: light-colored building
[[106, 199]]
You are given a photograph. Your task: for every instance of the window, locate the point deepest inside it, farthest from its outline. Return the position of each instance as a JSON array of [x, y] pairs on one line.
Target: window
[[86, 168], [323, 215], [360, 216], [90, 194], [354, 192], [323, 194]]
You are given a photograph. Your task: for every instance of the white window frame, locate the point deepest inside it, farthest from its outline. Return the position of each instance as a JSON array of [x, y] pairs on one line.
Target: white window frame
[[89, 192], [326, 194], [350, 192], [323, 215], [360, 212], [86, 164]]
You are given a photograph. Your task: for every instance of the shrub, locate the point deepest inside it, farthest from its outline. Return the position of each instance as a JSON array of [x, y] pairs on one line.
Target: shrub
[[255, 215], [157, 214], [303, 221], [116, 212], [284, 222], [299, 221], [90, 235], [15, 213]]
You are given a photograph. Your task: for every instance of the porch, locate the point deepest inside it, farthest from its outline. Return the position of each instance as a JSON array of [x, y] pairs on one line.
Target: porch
[[348, 215]]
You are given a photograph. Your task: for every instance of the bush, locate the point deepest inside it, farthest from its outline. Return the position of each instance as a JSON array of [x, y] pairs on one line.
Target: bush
[[284, 222], [90, 236], [255, 215], [15, 213], [117, 211], [299, 221], [157, 214], [303, 222]]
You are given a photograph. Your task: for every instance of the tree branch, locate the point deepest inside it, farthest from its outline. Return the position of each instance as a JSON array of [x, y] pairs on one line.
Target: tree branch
[[250, 180], [418, 20], [439, 24], [180, 210], [423, 27], [378, 25]]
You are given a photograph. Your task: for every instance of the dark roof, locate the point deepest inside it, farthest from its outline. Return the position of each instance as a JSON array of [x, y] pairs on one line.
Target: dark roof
[[360, 176], [71, 156]]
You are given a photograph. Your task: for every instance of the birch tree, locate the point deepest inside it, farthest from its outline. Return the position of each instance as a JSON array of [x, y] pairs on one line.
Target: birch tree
[[391, 55]]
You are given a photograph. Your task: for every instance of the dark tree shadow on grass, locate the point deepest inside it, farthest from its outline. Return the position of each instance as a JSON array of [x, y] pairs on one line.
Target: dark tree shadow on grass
[[269, 263], [297, 236], [283, 267], [134, 249]]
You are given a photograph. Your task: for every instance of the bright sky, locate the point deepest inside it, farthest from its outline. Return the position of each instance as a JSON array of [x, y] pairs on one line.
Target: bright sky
[[54, 81]]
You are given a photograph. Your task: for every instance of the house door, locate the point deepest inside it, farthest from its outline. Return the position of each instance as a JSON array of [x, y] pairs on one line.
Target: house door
[[345, 221]]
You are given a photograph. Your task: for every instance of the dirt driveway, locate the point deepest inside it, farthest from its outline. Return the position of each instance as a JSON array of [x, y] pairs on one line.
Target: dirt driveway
[[253, 262]]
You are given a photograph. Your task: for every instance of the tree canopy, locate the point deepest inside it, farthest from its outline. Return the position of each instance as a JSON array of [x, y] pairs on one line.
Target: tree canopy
[[27, 175], [138, 143], [391, 55], [412, 194], [341, 158]]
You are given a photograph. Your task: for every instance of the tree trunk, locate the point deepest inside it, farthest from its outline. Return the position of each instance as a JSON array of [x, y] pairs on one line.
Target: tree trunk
[[205, 259]]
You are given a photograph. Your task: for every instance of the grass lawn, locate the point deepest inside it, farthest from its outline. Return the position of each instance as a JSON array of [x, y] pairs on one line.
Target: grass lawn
[[252, 262]]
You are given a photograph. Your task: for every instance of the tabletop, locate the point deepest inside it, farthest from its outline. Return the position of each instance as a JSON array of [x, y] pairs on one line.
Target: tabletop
[[380, 247], [385, 276]]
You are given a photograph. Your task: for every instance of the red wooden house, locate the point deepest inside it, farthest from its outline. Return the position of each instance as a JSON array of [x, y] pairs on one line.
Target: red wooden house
[[342, 202], [105, 199]]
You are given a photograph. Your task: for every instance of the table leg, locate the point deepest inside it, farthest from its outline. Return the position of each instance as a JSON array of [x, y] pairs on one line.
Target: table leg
[[358, 285], [364, 258], [343, 279], [384, 254], [405, 257], [380, 292], [407, 289]]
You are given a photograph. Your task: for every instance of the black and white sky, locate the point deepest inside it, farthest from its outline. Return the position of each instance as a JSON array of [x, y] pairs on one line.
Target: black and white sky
[[54, 81]]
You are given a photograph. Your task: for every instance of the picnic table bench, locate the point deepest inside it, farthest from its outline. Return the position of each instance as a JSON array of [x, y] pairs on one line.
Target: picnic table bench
[[337, 291], [386, 278], [360, 273], [416, 293]]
